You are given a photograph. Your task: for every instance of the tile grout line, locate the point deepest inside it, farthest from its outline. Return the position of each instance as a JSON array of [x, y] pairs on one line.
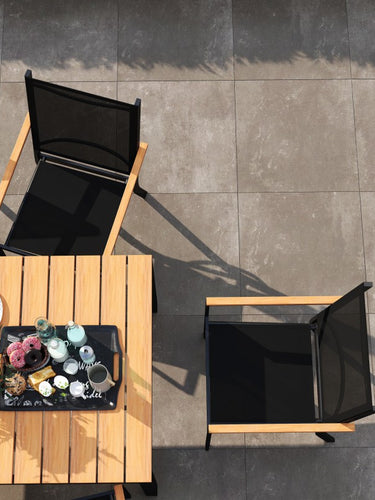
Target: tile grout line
[[117, 45], [2, 42], [355, 140], [236, 158]]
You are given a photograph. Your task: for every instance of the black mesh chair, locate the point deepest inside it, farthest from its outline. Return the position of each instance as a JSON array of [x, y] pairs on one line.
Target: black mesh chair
[[299, 377], [88, 158]]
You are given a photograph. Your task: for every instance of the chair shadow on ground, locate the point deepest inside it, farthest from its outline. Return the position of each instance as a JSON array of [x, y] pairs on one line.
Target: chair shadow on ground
[[209, 276]]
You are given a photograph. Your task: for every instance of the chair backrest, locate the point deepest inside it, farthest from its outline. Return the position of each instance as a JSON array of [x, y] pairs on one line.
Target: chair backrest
[[343, 358], [82, 127]]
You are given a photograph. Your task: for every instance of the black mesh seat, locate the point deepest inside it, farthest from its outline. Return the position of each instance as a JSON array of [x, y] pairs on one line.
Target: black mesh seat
[[260, 373], [305, 377], [66, 212], [88, 157]]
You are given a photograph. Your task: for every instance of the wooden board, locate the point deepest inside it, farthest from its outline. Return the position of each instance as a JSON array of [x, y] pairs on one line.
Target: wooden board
[[27, 463], [320, 427], [10, 290], [139, 370], [84, 425], [111, 456], [272, 301], [57, 424]]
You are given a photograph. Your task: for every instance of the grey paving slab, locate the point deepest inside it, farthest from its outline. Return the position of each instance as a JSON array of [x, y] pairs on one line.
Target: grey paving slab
[[194, 241], [179, 394], [296, 39], [190, 129], [175, 40], [195, 474], [301, 244], [368, 216], [361, 16], [300, 136], [364, 105], [63, 41], [310, 473]]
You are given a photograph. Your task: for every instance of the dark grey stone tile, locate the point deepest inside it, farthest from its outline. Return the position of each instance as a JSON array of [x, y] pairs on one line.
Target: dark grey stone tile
[[368, 217], [190, 128], [194, 241], [293, 39], [62, 41], [62, 491], [195, 474], [175, 40], [300, 136], [364, 105], [15, 492], [300, 244], [179, 396], [310, 473], [361, 15]]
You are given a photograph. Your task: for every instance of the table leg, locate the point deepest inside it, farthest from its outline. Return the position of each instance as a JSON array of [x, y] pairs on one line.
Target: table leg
[[150, 489]]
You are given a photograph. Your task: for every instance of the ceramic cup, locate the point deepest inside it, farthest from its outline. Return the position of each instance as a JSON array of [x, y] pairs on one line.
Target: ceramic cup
[[77, 389], [70, 366], [99, 378]]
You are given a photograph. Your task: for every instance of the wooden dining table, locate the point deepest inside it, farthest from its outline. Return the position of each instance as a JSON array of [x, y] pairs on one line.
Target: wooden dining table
[[115, 446]]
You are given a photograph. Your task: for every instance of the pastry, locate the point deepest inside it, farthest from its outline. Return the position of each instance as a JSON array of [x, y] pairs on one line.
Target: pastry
[[13, 347], [40, 376], [33, 357], [15, 385], [17, 358], [31, 343]]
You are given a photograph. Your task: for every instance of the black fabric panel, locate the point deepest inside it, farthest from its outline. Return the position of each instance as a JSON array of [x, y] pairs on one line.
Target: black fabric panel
[[66, 212], [83, 127], [344, 359], [260, 373]]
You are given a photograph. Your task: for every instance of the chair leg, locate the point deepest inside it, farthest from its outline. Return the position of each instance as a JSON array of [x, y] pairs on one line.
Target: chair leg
[[154, 294], [326, 437], [208, 441], [150, 489], [139, 191]]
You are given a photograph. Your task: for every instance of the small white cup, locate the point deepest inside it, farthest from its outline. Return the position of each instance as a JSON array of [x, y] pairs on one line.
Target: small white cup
[[77, 389], [99, 377]]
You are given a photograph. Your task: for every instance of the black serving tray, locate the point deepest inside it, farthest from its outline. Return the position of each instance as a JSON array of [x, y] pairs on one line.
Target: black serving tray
[[104, 341]]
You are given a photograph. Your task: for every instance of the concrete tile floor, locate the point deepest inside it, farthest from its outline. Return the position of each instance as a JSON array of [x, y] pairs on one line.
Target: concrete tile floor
[[259, 118]]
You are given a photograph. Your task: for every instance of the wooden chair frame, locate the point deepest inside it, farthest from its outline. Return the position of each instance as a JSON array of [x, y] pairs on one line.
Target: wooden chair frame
[[321, 429], [131, 185]]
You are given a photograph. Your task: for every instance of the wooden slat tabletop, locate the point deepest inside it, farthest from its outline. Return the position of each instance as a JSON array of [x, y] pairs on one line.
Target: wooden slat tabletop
[[85, 446]]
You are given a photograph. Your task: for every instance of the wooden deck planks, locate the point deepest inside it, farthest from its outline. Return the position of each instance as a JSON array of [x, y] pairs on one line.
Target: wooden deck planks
[[111, 467], [57, 424], [139, 370], [83, 464], [10, 288], [27, 464]]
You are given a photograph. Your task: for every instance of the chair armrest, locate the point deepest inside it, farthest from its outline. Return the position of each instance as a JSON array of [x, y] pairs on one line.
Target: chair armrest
[[14, 157], [272, 301], [15, 250], [125, 200], [313, 427]]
